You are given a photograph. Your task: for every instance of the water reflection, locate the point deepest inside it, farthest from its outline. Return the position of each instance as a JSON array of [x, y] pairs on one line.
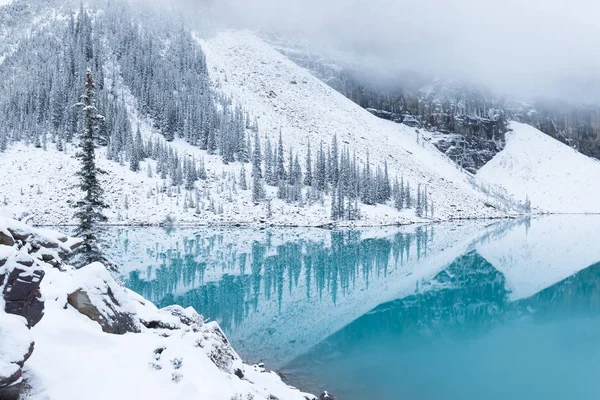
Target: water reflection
[[482, 309]]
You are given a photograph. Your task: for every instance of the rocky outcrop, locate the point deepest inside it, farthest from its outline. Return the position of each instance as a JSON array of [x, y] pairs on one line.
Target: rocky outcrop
[[98, 296], [24, 253], [22, 293]]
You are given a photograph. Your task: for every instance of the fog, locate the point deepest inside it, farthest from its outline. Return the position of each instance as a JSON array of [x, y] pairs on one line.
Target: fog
[[523, 47]]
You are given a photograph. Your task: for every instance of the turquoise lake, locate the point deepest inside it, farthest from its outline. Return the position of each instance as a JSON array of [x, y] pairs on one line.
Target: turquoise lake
[[464, 310]]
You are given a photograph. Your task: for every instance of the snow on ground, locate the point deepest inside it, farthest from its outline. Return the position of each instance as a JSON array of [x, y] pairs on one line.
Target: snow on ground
[[557, 178], [74, 359], [537, 255]]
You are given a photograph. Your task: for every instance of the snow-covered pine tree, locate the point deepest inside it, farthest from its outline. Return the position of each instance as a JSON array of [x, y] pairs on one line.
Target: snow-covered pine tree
[[308, 176], [258, 190], [419, 205], [243, 183], [90, 208], [280, 169], [269, 173], [321, 171], [408, 196], [190, 174]]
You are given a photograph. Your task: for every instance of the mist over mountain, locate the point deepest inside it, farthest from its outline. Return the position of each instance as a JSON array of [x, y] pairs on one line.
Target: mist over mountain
[[523, 49]]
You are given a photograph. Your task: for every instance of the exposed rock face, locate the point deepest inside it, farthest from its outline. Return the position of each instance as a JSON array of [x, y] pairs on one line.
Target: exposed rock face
[[24, 253], [22, 294], [216, 345], [100, 298], [6, 239]]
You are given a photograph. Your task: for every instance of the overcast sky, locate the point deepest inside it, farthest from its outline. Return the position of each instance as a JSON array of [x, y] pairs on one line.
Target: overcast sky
[[524, 47]]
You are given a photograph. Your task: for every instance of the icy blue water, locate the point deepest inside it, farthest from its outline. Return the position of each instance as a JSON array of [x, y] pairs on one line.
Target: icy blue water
[[476, 310]]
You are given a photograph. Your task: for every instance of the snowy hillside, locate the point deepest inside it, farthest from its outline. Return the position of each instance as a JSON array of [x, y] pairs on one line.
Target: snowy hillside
[[246, 75], [556, 178], [284, 95]]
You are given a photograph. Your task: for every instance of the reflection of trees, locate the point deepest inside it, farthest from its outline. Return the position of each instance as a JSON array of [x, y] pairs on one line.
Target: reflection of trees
[[469, 291], [269, 273], [466, 299]]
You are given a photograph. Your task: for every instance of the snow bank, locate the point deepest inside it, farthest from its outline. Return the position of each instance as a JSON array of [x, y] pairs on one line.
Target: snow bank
[[189, 362], [557, 178]]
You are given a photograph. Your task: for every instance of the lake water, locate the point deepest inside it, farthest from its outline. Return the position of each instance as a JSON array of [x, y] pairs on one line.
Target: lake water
[[470, 310]]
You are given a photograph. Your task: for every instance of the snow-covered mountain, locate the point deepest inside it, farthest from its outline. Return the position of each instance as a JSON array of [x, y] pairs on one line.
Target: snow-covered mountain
[[244, 73], [180, 146]]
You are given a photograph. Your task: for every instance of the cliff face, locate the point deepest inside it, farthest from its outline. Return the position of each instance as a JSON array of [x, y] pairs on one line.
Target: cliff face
[[468, 121]]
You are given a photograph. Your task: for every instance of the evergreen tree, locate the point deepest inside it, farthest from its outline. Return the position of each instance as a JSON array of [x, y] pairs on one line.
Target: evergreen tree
[[90, 208], [280, 171], [269, 173], [308, 177], [243, 183], [258, 190]]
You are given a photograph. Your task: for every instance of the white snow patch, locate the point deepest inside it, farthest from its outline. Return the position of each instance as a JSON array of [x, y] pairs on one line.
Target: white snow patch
[[557, 178]]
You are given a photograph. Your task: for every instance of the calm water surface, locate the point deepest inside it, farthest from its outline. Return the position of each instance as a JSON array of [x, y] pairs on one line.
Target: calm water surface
[[474, 310]]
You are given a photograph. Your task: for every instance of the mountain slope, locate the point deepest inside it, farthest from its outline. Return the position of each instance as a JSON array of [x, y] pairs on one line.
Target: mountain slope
[[247, 72], [284, 96], [556, 178]]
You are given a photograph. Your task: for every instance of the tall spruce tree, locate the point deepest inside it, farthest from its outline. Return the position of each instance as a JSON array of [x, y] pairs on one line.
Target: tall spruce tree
[[90, 208]]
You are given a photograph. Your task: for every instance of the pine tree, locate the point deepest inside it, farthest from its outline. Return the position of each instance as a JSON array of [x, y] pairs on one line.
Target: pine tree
[[280, 171], [308, 177], [190, 174], [258, 190], [243, 183], [90, 208], [408, 196], [419, 205], [134, 161], [269, 173]]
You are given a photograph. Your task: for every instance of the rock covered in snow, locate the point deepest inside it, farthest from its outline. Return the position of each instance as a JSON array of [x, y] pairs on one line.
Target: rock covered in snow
[[25, 253], [16, 346], [99, 297], [22, 292]]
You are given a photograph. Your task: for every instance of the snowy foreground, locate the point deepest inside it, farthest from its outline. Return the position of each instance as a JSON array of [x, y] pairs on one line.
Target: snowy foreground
[[165, 354]]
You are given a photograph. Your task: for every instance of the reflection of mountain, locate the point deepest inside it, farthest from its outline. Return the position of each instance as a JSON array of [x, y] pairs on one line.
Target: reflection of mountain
[[277, 298], [468, 293], [280, 293], [464, 333], [578, 294]]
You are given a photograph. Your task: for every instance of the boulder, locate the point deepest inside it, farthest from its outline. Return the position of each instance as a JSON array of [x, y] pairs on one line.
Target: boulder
[[19, 233], [6, 238], [22, 294], [99, 297], [219, 350], [11, 386]]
